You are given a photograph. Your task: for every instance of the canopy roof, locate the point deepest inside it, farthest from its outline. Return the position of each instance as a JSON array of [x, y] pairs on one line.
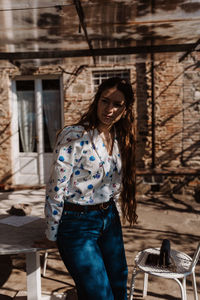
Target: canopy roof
[[31, 29]]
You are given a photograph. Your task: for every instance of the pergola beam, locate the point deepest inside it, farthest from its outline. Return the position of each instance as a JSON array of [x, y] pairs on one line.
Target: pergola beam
[[96, 52], [80, 13]]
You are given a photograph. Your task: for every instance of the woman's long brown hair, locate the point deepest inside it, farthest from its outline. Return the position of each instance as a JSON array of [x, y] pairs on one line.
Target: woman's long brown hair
[[126, 139]]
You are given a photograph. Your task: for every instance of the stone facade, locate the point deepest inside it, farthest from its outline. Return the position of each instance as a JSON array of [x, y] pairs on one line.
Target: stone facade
[[175, 114]]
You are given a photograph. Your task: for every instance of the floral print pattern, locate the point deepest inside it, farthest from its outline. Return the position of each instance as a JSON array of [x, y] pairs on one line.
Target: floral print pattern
[[82, 173]]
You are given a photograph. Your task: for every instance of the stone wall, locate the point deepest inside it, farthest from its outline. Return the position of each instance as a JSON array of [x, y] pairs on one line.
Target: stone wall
[[5, 130], [143, 114], [78, 94]]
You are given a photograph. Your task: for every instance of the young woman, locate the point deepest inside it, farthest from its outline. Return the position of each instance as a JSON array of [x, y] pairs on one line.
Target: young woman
[[93, 168]]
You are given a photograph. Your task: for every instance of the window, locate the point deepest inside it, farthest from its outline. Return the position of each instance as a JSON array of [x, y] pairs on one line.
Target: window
[[51, 112], [28, 113], [100, 76]]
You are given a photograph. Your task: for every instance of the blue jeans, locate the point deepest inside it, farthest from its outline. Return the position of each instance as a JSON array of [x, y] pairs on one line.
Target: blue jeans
[[92, 249]]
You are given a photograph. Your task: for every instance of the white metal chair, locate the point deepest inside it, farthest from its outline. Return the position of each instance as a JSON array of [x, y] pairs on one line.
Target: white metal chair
[[45, 258], [185, 266], [45, 263]]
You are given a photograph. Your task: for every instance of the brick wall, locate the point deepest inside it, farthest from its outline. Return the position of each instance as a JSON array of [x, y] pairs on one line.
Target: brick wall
[[177, 122], [168, 113], [177, 109], [191, 113]]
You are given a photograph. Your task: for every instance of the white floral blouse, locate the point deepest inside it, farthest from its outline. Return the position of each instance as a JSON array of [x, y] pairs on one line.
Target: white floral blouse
[[82, 173]]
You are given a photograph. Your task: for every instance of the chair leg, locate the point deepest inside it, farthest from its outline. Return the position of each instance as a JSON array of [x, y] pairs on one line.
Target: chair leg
[[184, 288], [132, 285], [183, 292], [45, 263], [194, 286], [146, 277]]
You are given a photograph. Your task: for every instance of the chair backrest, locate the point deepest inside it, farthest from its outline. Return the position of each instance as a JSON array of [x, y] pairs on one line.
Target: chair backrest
[[195, 258]]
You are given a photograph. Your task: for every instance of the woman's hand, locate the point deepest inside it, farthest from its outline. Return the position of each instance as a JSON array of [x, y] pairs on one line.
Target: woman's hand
[[44, 244]]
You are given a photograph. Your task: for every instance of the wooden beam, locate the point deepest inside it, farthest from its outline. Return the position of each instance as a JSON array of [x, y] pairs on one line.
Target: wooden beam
[[97, 52]]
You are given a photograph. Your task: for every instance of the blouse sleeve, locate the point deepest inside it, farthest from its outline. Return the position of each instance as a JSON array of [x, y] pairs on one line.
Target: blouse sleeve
[[62, 168]]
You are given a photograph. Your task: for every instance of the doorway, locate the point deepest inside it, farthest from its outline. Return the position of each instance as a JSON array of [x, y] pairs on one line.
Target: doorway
[[37, 116]]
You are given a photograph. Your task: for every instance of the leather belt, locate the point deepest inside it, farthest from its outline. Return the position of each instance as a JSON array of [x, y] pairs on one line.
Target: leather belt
[[84, 208]]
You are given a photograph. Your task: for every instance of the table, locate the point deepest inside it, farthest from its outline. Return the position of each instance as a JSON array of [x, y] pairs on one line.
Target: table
[[17, 240]]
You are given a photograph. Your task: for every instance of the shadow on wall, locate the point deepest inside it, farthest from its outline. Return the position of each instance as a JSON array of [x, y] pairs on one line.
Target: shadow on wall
[[188, 134]]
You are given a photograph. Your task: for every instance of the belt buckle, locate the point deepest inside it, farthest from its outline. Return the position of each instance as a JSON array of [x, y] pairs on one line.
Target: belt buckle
[[104, 205]]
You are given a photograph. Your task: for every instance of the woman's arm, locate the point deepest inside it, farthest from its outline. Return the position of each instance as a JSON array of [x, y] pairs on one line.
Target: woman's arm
[[62, 168]]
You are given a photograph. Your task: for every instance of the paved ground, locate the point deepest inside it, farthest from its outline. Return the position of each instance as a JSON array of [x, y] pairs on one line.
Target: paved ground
[[176, 218]]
